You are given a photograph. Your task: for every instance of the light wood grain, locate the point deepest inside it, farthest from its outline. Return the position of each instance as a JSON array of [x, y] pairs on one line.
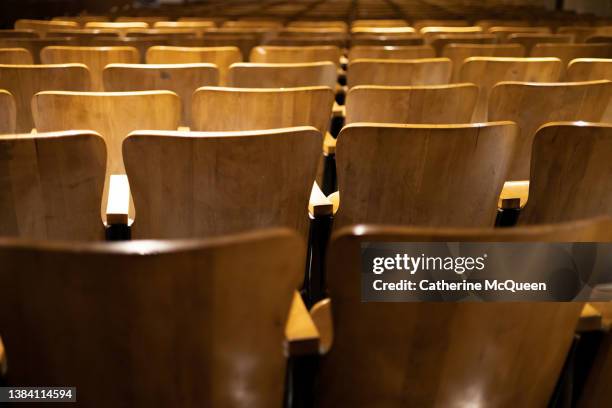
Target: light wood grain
[[420, 24], [381, 40], [266, 24], [121, 27], [439, 41], [182, 79], [530, 40], [435, 104], [208, 315], [458, 53], [488, 23], [580, 33], [35, 45], [220, 183], [8, 112], [52, 186], [257, 75], [222, 57], [436, 354], [95, 58], [319, 24], [236, 109], [42, 26], [503, 33], [428, 175], [386, 31], [8, 33], [428, 71], [431, 31], [486, 72], [15, 56], [150, 20], [571, 174], [112, 115], [81, 20], [289, 54], [569, 52], [530, 105], [25, 81], [379, 23], [391, 52]]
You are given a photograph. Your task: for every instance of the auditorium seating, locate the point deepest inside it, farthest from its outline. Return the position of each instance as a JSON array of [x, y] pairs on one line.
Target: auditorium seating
[[458, 53], [15, 56], [431, 71], [288, 54], [8, 115], [568, 52], [255, 75], [391, 52], [589, 69], [530, 40]]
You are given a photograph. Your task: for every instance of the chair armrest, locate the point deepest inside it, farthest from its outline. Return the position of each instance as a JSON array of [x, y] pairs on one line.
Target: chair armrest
[[338, 110], [335, 200], [591, 319], [184, 129], [514, 194], [329, 144], [319, 205], [322, 317], [118, 204], [3, 365], [301, 334]]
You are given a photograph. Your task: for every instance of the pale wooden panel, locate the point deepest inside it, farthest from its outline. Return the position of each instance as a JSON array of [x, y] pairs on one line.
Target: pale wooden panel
[[222, 57], [379, 23], [185, 24], [571, 173], [429, 71], [580, 33], [428, 175], [569, 52], [420, 24], [391, 52], [430, 32], [589, 69], [42, 26], [113, 115], [150, 20], [530, 40], [255, 75], [121, 27], [267, 24], [440, 41], [458, 53], [26, 81], [189, 324], [435, 104], [182, 79], [288, 54], [95, 58], [486, 72], [386, 31], [52, 186], [8, 33], [438, 354], [504, 32], [318, 24], [35, 45], [8, 114], [82, 19], [221, 183], [15, 56], [236, 109], [486, 24], [530, 105]]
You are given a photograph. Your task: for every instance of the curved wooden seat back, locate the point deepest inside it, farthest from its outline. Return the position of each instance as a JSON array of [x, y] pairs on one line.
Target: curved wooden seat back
[[52, 185], [42, 26], [379, 23], [121, 27], [458, 53], [236, 109], [8, 112], [488, 23], [411, 104], [274, 54], [254, 75], [95, 58], [199, 26], [36, 45], [486, 72], [391, 52], [267, 24], [589, 69], [112, 115], [26, 81], [430, 32], [428, 175], [529, 40], [568, 52], [15, 56], [382, 40], [84, 36], [82, 19], [202, 314], [150, 20], [439, 41], [182, 79], [429, 71], [386, 31], [531, 105], [503, 32], [571, 173], [426, 354], [318, 24], [222, 57], [220, 183], [8, 33], [422, 23], [580, 33]]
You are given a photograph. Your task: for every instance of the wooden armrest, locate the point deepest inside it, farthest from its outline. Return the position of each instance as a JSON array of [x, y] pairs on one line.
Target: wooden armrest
[[319, 205], [322, 317], [184, 129], [335, 200], [344, 60], [301, 334], [118, 204], [3, 365], [591, 319], [338, 111], [329, 144], [514, 194]]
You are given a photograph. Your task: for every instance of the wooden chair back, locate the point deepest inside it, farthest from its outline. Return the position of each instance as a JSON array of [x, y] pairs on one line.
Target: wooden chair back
[[52, 186], [254, 75], [589, 69], [531, 105], [440, 41], [571, 174], [504, 32], [36, 45], [271, 54], [220, 183], [8, 112], [205, 313], [42, 26], [427, 175], [222, 57], [25, 81], [529, 40], [428, 71], [95, 58], [568, 52], [243, 109], [433, 104], [182, 79], [391, 52], [458, 53], [15, 56], [486, 72]]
